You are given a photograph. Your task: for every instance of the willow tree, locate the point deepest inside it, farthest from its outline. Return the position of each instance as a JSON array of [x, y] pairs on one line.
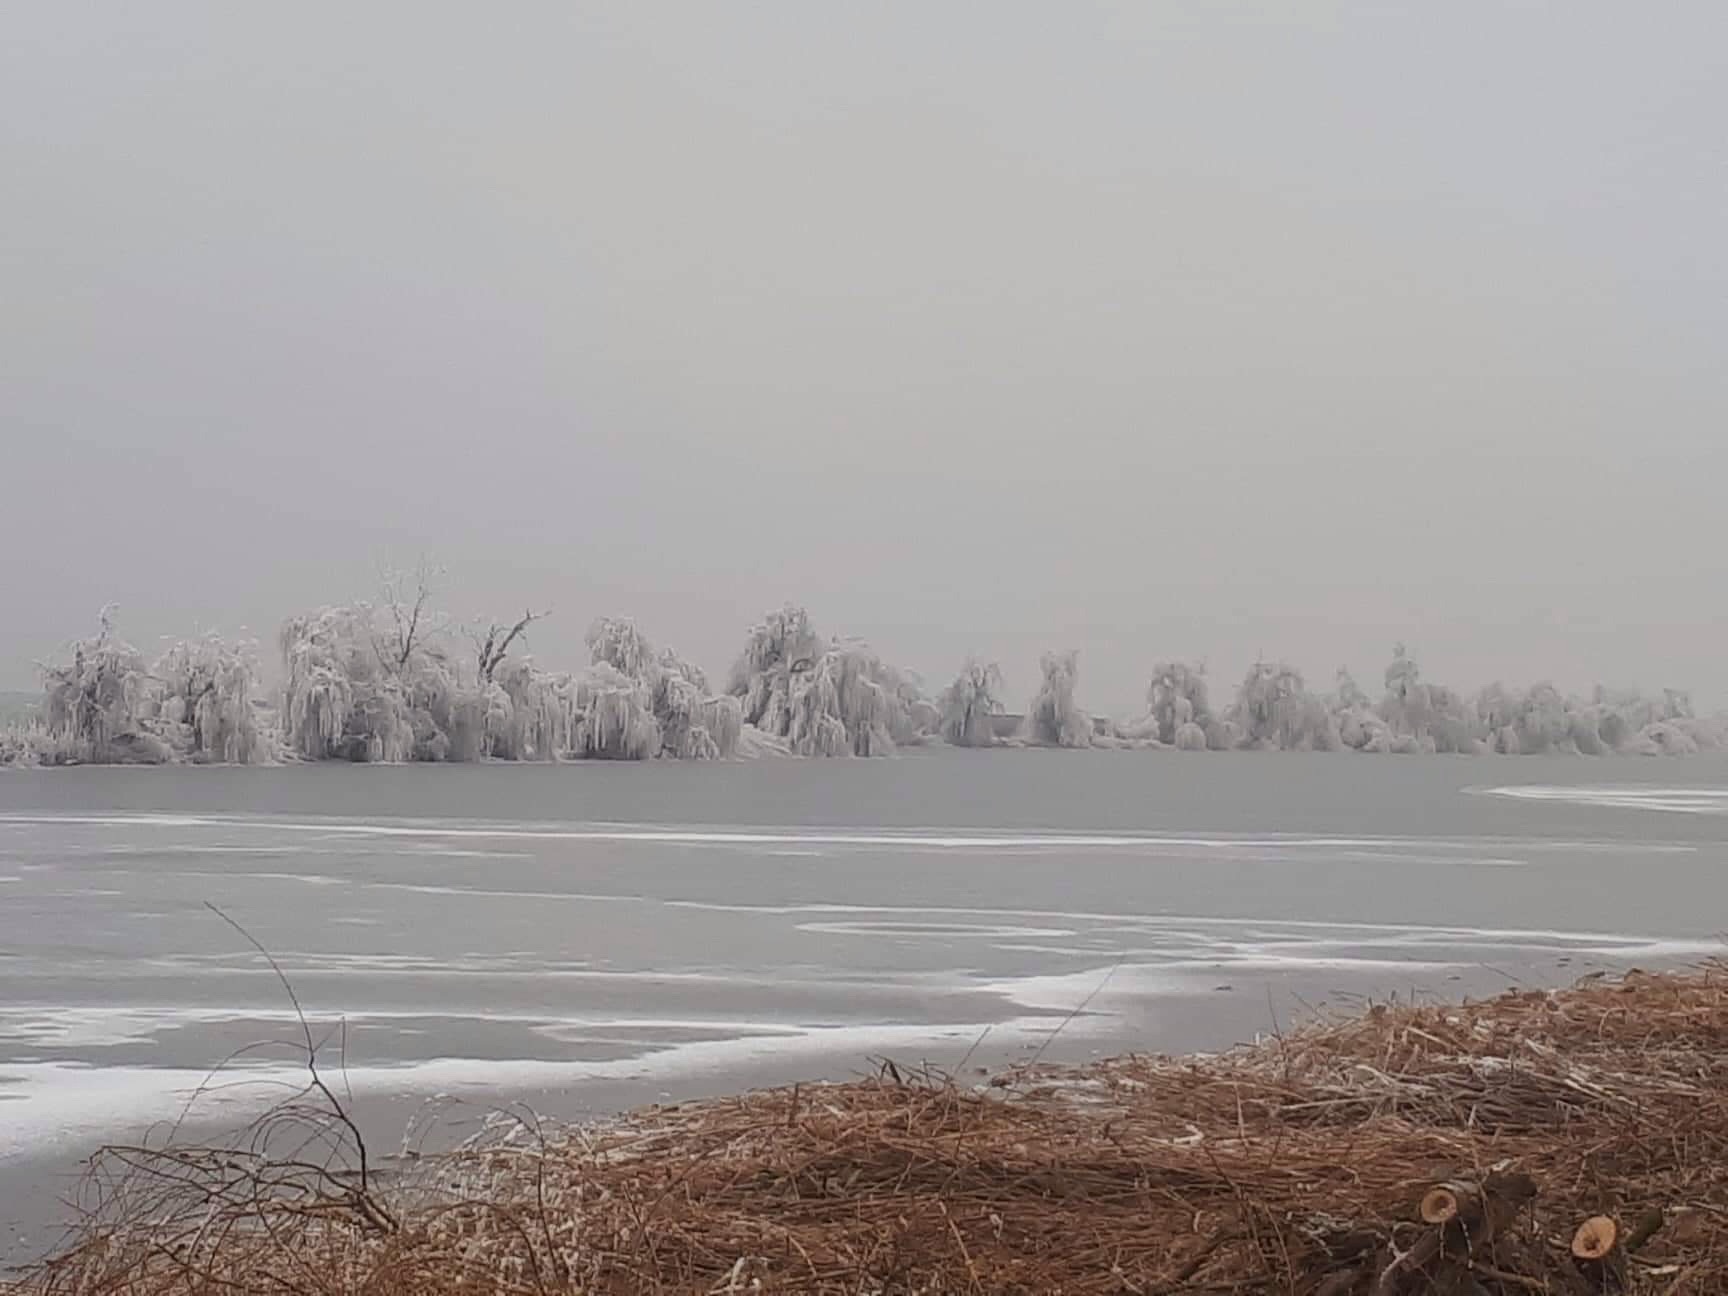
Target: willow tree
[[1054, 718], [824, 698], [969, 706]]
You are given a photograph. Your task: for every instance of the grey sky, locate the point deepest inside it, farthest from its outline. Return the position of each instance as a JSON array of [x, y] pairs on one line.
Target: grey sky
[[1151, 329]]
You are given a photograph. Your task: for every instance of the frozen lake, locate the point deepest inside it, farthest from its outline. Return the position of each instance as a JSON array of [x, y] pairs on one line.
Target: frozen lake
[[593, 936]]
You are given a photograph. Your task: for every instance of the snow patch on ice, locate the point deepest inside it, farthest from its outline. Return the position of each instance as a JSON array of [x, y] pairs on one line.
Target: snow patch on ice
[[1695, 800]]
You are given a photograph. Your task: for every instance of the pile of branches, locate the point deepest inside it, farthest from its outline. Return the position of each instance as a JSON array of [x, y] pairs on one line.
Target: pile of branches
[[1570, 1142]]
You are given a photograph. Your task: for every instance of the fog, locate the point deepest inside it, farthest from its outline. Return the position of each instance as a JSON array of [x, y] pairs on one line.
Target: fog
[[1193, 332]]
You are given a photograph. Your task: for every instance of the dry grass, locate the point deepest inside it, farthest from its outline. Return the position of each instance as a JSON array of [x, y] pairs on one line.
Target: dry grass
[[1295, 1166]]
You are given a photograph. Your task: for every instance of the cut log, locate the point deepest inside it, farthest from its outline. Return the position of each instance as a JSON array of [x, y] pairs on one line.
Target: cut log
[[1596, 1238], [1445, 1202]]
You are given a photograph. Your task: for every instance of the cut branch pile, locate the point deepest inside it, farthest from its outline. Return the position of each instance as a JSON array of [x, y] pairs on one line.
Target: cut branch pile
[[1573, 1142]]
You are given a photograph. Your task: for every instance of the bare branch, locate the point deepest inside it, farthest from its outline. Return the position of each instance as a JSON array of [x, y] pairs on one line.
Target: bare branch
[[497, 642]]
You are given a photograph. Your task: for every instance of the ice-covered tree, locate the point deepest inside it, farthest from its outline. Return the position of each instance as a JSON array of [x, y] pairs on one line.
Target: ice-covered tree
[[1640, 724], [342, 694], [1360, 727], [1275, 710], [694, 724], [1054, 719], [96, 707], [824, 698], [382, 681], [527, 713], [971, 703], [614, 717], [1426, 717], [783, 645], [206, 706], [1525, 723], [689, 722], [618, 642], [492, 645], [1178, 706]]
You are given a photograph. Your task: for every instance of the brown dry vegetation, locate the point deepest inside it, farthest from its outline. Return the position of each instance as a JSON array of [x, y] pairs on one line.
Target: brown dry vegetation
[[1299, 1165]]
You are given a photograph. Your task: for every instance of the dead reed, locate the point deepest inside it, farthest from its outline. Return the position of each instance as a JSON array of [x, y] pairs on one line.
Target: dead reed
[[1567, 1142]]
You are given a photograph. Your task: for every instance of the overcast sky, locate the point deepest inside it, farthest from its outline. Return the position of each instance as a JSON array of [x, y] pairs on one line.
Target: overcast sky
[[1196, 330]]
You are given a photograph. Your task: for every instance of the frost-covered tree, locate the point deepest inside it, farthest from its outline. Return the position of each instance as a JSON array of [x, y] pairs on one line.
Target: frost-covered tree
[[971, 703], [528, 714], [694, 724], [1525, 723], [783, 645], [1054, 719], [198, 702], [614, 717], [492, 645], [343, 697], [872, 700], [96, 706], [1178, 707], [1360, 727], [1275, 710], [1421, 716], [1638, 724], [382, 681], [824, 699], [206, 704], [689, 723], [618, 642]]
